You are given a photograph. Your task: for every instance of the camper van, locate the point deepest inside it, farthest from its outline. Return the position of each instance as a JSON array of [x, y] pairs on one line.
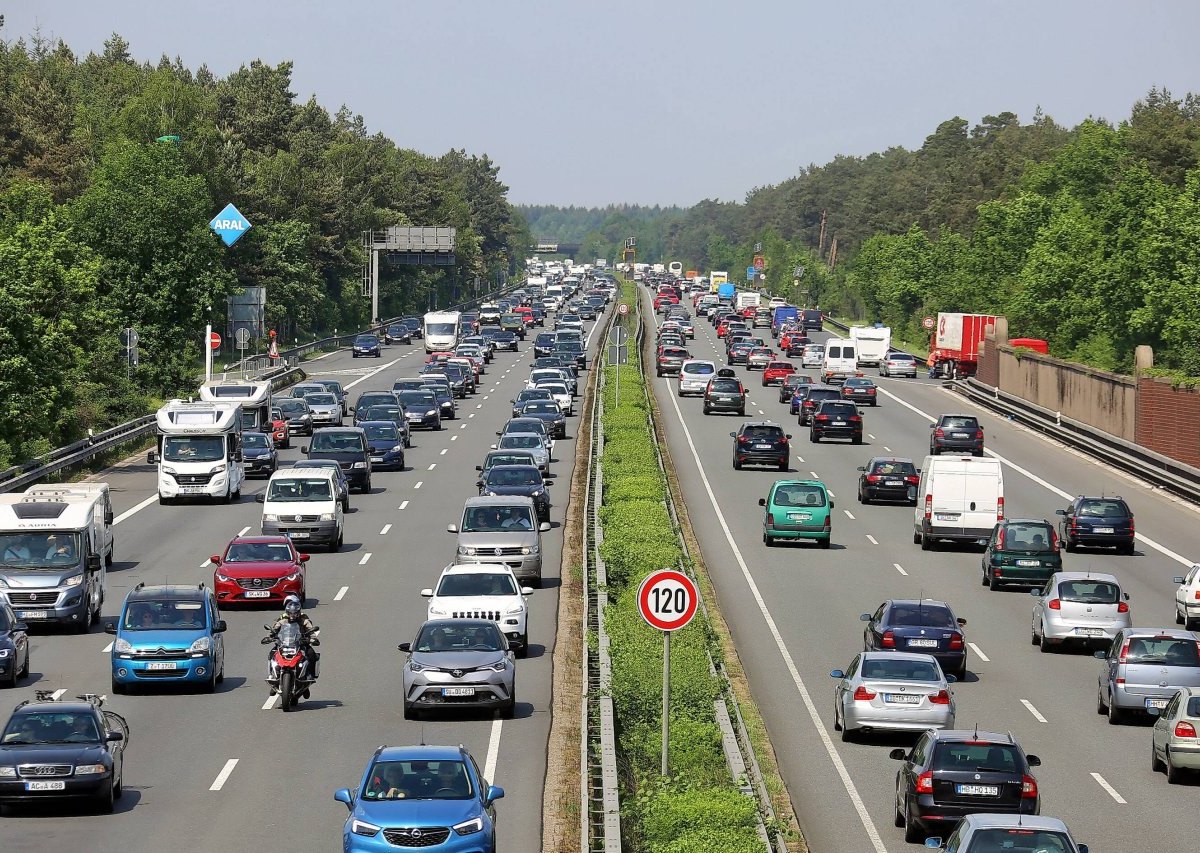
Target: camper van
[[959, 498], [254, 396], [441, 331], [199, 451], [872, 343]]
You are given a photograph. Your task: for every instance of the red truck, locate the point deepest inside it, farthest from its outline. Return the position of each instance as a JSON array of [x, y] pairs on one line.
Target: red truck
[[954, 344]]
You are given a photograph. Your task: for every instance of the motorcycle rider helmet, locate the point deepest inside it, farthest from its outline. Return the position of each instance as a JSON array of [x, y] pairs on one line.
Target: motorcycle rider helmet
[[291, 606]]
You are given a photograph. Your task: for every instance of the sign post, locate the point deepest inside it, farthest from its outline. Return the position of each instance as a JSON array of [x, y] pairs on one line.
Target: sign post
[[667, 600], [242, 339], [214, 344], [617, 351]]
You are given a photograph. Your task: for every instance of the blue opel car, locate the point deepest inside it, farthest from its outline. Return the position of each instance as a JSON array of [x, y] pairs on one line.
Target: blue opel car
[[168, 634], [421, 796]]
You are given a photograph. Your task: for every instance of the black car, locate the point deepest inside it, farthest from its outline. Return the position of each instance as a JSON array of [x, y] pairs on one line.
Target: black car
[[348, 447], [956, 433], [366, 345], [888, 478], [923, 626], [386, 445], [539, 315], [548, 412], [506, 339], [812, 401], [367, 399], [860, 390], [789, 384], [416, 326], [48, 741], [445, 398], [258, 454], [522, 480], [575, 350], [835, 419], [952, 773], [461, 382], [504, 457], [810, 319], [761, 443], [725, 393], [738, 351], [397, 333], [297, 414], [1103, 521], [392, 413], [422, 409], [14, 644], [543, 344]]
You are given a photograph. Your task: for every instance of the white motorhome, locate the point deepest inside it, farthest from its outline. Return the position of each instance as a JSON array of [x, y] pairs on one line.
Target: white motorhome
[[556, 292], [199, 451], [254, 395], [872, 343], [747, 299], [959, 498], [675, 268], [441, 331], [839, 362], [56, 543]]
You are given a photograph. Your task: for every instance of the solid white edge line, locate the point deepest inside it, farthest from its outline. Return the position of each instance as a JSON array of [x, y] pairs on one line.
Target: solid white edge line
[[979, 652], [365, 558], [341, 593], [789, 662], [1037, 715], [493, 751], [106, 649], [382, 367], [138, 508], [223, 776], [900, 569], [1112, 792]]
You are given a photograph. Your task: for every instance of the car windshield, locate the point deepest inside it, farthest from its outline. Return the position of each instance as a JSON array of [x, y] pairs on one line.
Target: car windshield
[[194, 448], [177, 614], [449, 637], [514, 475], [976, 757], [1103, 509], [494, 459], [397, 329], [299, 489], [798, 495], [493, 519], [255, 439], [383, 413], [1089, 592], [477, 584], [418, 780], [853, 383], [51, 727], [366, 341], [259, 552], [337, 442], [382, 432], [418, 399], [375, 398], [780, 365], [1167, 651], [440, 328], [1019, 840], [408, 384], [900, 669], [293, 407], [534, 407], [528, 394], [39, 550], [920, 615], [891, 466], [521, 440], [323, 399]]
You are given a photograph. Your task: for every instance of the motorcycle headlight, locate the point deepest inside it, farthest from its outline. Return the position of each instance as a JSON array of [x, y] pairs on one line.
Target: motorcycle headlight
[[8, 772], [167, 469], [327, 516], [90, 769], [360, 464], [217, 469], [202, 644], [361, 827], [122, 646], [270, 517], [469, 827]]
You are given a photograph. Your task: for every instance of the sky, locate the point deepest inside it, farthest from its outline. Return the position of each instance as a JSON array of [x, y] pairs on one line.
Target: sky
[[664, 101]]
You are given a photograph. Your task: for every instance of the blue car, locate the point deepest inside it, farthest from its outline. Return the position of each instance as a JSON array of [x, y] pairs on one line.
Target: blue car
[[421, 796], [386, 445], [170, 634], [365, 345]]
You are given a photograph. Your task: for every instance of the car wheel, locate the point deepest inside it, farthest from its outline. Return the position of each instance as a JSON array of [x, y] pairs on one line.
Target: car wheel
[[742, 411], [1116, 717], [411, 713], [28, 658], [11, 681], [848, 735], [1156, 766], [1190, 624], [993, 581], [812, 436], [1043, 643], [1174, 774], [913, 834], [916, 538], [783, 466], [898, 819], [837, 719], [1068, 545], [1179, 619], [1033, 636], [824, 544], [106, 801], [737, 466], [89, 617], [768, 540], [337, 546], [926, 542], [856, 439], [1127, 550], [118, 688], [1101, 708]]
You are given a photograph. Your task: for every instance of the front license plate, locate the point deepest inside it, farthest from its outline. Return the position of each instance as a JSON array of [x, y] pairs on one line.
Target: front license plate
[[1156, 703], [978, 790], [947, 516], [902, 698], [191, 490], [376, 458], [1029, 563], [297, 534], [1089, 632], [33, 614], [458, 691], [258, 593], [923, 643], [1102, 530], [161, 664], [45, 786]]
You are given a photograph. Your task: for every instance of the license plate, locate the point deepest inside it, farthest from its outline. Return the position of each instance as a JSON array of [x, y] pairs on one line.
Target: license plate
[[762, 447], [946, 516], [297, 534], [1089, 632], [1156, 703], [725, 399], [458, 691], [191, 490], [45, 786], [902, 698], [1030, 563], [978, 790], [799, 516], [959, 435], [161, 664], [839, 423], [1102, 530], [923, 643], [376, 458], [33, 614], [258, 593], [893, 483]]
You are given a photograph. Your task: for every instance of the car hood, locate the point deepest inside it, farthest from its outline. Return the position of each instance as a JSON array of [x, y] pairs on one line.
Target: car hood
[[328, 408], [17, 578], [379, 444], [457, 659], [339, 456], [57, 753], [544, 416], [256, 568], [499, 539], [416, 812], [453, 603], [169, 640]]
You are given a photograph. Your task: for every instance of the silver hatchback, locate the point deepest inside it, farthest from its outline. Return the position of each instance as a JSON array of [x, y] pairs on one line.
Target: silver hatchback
[[1174, 746], [892, 691], [1079, 607], [458, 663], [1143, 669]]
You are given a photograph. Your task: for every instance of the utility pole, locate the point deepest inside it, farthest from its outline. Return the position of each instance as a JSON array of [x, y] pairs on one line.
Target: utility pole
[[821, 238], [833, 254]]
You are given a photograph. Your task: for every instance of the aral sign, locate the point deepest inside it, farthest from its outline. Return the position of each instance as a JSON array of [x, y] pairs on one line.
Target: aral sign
[[229, 224]]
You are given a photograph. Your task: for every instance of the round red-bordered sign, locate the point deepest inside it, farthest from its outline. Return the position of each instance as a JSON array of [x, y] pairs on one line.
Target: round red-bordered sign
[[668, 600], [622, 309]]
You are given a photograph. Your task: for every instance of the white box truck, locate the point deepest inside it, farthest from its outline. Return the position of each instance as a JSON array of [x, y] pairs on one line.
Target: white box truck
[[199, 452], [871, 343], [959, 498]]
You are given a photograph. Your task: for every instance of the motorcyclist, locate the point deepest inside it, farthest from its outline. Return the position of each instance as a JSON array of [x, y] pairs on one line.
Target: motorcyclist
[[293, 612]]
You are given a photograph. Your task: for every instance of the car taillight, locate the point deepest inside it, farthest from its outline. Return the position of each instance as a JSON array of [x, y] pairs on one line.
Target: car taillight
[[783, 440], [888, 640], [979, 435], [1124, 652], [942, 697], [822, 417], [873, 478], [862, 694], [928, 506], [1055, 604], [939, 433], [1132, 529], [1122, 607], [856, 419], [1185, 730], [1029, 789], [912, 480], [956, 642], [925, 782], [1000, 508], [1054, 541]]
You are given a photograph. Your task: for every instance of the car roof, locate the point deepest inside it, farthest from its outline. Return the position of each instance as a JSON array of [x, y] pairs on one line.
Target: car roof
[[420, 753], [1084, 576], [167, 591], [761, 424], [498, 500], [60, 707], [259, 540], [960, 735], [979, 820], [1173, 633], [917, 602], [779, 483], [874, 459]]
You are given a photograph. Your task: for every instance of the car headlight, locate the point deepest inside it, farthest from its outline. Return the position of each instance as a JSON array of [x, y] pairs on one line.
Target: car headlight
[[467, 550], [361, 827], [5, 653], [294, 576], [399, 448], [74, 580], [530, 549], [223, 578], [8, 772], [327, 516], [360, 464], [267, 516], [469, 827], [217, 469], [167, 469], [431, 413], [436, 611], [515, 609], [90, 769], [122, 646], [537, 493], [488, 493], [201, 644], [416, 667]]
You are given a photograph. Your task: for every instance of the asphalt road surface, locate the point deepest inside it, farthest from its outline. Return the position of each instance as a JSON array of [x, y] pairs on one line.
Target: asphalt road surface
[[794, 613], [231, 771]]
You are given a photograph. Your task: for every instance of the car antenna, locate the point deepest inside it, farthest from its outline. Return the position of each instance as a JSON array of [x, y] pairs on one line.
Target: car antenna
[[976, 730], [422, 734]]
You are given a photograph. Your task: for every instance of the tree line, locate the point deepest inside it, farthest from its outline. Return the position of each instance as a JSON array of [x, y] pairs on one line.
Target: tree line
[[110, 171]]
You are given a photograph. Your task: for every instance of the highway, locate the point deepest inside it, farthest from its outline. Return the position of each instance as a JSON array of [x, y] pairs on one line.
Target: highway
[[794, 614], [232, 771]]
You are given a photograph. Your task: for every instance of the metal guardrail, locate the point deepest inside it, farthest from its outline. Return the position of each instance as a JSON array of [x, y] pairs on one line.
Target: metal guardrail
[[1162, 471]]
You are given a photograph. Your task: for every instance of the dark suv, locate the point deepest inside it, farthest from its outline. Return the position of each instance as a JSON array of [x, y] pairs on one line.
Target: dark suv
[[725, 393], [836, 420], [812, 400], [890, 478], [349, 448], [760, 443], [951, 773], [956, 433], [1097, 521], [1021, 552]]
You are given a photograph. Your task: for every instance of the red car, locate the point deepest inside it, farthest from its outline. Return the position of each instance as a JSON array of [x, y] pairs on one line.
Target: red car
[[259, 570], [777, 371], [793, 341], [277, 426]]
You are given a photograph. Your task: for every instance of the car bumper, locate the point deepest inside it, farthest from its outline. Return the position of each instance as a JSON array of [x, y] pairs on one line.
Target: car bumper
[[71, 612], [357, 477], [958, 447], [214, 488], [264, 465], [303, 533], [126, 670], [423, 422], [929, 813], [898, 719], [1024, 575], [837, 432], [901, 371], [1102, 540], [430, 696], [891, 493], [816, 532], [13, 791], [726, 405], [1068, 629], [762, 458], [231, 592], [956, 534], [1185, 756], [1134, 697], [388, 462], [296, 427]]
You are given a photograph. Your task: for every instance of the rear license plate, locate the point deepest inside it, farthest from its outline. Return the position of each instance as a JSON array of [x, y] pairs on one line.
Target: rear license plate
[[1156, 703], [161, 664], [799, 516], [923, 643], [33, 614], [946, 516], [839, 423], [1103, 530], [458, 691], [1030, 563], [960, 435], [762, 447], [45, 786], [902, 698], [978, 790], [1089, 632], [297, 534], [258, 593], [893, 483]]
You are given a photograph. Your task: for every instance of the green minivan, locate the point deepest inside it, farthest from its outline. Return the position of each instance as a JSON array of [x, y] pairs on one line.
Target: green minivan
[[797, 509]]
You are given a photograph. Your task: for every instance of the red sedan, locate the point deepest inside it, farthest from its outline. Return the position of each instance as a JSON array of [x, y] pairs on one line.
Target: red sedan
[[259, 570], [777, 371], [278, 427]]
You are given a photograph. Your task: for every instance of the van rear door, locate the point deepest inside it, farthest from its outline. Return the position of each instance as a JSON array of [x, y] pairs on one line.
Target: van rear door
[[968, 495]]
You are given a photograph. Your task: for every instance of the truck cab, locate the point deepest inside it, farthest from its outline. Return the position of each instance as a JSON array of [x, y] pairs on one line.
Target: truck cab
[[199, 452]]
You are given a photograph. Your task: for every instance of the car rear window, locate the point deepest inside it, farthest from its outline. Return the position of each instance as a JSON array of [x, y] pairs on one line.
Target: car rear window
[[1089, 592], [1193, 707], [1166, 651], [1102, 509], [893, 467], [960, 423], [1025, 534], [799, 496], [763, 432], [824, 394], [699, 369], [726, 386], [976, 757], [926, 616], [899, 356], [841, 410], [900, 669], [780, 365]]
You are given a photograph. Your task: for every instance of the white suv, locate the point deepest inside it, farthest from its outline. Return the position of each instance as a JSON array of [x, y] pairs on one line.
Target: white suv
[[483, 591]]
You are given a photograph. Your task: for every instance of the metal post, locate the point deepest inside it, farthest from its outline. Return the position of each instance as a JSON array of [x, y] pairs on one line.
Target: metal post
[[208, 352], [666, 733], [374, 286]]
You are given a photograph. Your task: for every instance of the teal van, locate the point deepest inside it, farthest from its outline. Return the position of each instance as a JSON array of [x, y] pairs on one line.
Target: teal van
[[797, 509]]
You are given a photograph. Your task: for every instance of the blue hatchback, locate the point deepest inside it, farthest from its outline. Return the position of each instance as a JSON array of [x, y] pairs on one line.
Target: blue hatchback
[[421, 796]]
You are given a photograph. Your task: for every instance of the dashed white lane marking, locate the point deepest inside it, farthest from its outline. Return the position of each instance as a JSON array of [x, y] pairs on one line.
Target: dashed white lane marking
[[900, 569], [403, 505], [384, 531], [270, 703], [365, 558], [443, 453], [486, 396], [1112, 792], [761, 412], [57, 694], [341, 593], [470, 416], [127, 513], [831, 494], [799, 458], [873, 540], [418, 484], [223, 776], [242, 532], [1037, 715], [462, 426], [106, 649], [979, 652], [493, 752], [870, 436], [479, 405], [206, 564], [814, 475], [849, 514], [432, 465]]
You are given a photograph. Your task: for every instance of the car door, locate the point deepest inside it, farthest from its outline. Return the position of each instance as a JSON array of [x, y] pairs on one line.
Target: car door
[[218, 639], [1165, 725], [906, 777], [1184, 590], [874, 630], [1110, 665], [843, 685]]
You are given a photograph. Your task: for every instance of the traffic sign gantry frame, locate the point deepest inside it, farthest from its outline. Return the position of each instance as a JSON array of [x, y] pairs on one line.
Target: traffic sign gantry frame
[[679, 582]]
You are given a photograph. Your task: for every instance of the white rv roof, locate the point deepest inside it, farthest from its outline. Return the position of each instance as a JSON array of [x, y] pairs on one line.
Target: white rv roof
[[191, 418], [227, 391], [63, 511]]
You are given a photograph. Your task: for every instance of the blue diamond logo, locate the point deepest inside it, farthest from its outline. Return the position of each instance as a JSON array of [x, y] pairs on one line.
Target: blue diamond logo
[[229, 224]]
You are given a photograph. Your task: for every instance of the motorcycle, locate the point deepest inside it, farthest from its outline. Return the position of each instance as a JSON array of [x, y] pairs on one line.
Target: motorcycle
[[288, 668]]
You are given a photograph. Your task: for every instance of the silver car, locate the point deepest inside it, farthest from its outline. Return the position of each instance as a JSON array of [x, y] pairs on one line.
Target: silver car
[[501, 529], [326, 410], [528, 425], [812, 356], [1143, 669], [1079, 607], [529, 442], [984, 833], [1173, 744], [694, 375], [458, 663], [892, 691], [898, 364]]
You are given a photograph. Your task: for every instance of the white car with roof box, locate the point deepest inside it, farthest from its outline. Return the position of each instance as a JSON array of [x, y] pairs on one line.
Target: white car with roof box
[[483, 591]]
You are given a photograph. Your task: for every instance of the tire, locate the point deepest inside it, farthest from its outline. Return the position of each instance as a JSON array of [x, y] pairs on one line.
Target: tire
[[898, 819], [118, 688], [1116, 717], [89, 619], [1043, 644], [737, 466], [993, 584], [926, 542], [1156, 766], [510, 710], [337, 545], [783, 466], [1101, 708], [837, 720], [1127, 550], [287, 695], [742, 411], [768, 540], [916, 538], [848, 735], [856, 440], [28, 658], [11, 682], [824, 544], [1174, 774], [1179, 620], [812, 436], [210, 686], [411, 713], [913, 834], [1033, 636], [106, 802], [1069, 546]]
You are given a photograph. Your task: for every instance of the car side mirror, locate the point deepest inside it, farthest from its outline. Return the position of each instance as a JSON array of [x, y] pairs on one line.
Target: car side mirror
[[1177, 579], [427, 593], [93, 562], [478, 467], [787, 435], [152, 457], [832, 504], [494, 792], [404, 647], [451, 528], [836, 673], [304, 558], [544, 526], [260, 498], [1100, 655], [526, 590], [114, 737], [866, 617], [1060, 512], [342, 795], [934, 842], [1154, 712], [961, 621], [215, 559], [108, 517], [1083, 848], [1126, 595], [933, 426], [862, 467], [220, 627], [1036, 593], [1033, 761], [733, 435], [493, 447], [950, 679], [762, 501], [498, 432], [110, 628], [898, 755], [304, 449]]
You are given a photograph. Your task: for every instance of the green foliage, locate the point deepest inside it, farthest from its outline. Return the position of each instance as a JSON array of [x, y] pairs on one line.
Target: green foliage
[[698, 820]]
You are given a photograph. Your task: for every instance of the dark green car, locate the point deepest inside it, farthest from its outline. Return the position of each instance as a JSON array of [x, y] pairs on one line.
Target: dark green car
[[797, 509], [1021, 552], [514, 323]]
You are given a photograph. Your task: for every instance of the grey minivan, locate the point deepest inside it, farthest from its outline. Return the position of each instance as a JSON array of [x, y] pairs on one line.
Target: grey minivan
[[502, 529], [1143, 668]]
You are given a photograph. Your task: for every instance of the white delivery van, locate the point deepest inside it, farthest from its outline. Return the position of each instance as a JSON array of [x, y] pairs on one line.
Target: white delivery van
[[303, 504], [959, 498], [840, 361], [872, 343], [747, 299]]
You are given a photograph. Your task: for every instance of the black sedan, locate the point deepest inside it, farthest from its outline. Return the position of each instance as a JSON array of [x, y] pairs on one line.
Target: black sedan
[[258, 454], [860, 391], [366, 345], [397, 333], [522, 480], [386, 444], [548, 413], [888, 478], [543, 344], [506, 339], [416, 326], [422, 409], [529, 394], [14, 645], [918, 625]]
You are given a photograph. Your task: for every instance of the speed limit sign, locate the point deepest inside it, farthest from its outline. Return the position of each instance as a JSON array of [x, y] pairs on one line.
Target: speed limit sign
[[622, 309], [668, 600]]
